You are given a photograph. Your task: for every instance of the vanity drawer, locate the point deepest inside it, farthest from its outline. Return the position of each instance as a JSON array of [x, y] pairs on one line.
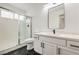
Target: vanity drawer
[[73, 45], [53, 40], [67, 51]]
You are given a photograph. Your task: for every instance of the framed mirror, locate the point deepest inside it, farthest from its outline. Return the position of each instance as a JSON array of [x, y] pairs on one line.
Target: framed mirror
[[56, 19]]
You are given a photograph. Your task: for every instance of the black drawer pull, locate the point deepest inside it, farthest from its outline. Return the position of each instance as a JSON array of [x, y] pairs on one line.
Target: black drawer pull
[[74, 46]]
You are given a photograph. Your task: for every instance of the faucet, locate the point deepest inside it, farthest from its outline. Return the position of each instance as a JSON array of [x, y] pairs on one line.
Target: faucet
[[54, 31]]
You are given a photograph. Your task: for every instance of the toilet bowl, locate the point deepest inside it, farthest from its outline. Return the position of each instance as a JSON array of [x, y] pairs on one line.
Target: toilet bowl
[[30, 43]]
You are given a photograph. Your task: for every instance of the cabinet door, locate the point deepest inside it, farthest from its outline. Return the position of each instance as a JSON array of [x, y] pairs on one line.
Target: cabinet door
[[73, 44], [49, 49], [37, 45]]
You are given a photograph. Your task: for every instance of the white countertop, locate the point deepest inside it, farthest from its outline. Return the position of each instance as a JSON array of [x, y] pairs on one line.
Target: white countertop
[[60, 35]]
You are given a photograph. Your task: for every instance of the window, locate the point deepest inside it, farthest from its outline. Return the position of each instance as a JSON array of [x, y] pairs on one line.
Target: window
[[16, 16], [7, 14], [21, 17]]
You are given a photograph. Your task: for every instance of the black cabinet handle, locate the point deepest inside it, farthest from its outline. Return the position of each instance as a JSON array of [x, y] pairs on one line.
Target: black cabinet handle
[[58, 51], [43, 45], [74, 46]]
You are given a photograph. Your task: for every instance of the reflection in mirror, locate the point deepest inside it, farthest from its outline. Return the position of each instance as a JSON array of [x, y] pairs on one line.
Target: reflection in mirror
[[56, 17]]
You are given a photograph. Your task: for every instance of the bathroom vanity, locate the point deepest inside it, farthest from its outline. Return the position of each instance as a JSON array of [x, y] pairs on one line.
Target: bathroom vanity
[[56, 44], [47, 43]]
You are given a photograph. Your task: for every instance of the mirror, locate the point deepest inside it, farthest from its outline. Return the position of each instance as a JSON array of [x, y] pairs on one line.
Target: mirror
[[56, 17]]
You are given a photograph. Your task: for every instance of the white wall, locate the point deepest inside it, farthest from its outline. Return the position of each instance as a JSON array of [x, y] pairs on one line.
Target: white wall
[[72, 18], [39, 20]]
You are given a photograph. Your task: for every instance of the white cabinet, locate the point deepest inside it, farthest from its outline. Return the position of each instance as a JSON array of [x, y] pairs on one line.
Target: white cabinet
[[48, 45], [49, 49], [37, 45], [44, 47]]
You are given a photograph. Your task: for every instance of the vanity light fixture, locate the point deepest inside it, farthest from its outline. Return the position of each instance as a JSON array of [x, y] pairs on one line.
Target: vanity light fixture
[[49, 5]]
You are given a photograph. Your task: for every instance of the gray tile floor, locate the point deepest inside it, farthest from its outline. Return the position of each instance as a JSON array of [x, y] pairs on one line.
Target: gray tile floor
[[22, 51]]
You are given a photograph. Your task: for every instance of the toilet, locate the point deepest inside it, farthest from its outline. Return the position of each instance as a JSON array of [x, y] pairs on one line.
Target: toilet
[[30, 43]]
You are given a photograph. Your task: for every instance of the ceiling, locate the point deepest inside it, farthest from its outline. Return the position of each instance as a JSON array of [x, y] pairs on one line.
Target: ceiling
[[31, 8], [27, 6]]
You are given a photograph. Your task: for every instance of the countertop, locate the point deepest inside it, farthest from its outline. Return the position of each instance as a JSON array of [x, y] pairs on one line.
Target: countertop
[[66, 36]]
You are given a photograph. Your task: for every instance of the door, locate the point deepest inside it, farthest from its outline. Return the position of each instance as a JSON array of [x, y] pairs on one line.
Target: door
[[49, 49], [38, 45]]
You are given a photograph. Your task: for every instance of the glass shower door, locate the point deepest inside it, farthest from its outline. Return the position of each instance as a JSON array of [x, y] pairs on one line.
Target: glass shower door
[[24, 29]]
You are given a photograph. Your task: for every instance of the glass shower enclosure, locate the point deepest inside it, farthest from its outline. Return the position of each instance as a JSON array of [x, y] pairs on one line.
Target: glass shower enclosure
[[25, 29]]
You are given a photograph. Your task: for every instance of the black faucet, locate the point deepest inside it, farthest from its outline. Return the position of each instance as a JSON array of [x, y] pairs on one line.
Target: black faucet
[[54, 31]]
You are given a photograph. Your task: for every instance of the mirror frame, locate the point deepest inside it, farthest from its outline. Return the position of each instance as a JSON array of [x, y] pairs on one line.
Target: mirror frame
[[55, 7]]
